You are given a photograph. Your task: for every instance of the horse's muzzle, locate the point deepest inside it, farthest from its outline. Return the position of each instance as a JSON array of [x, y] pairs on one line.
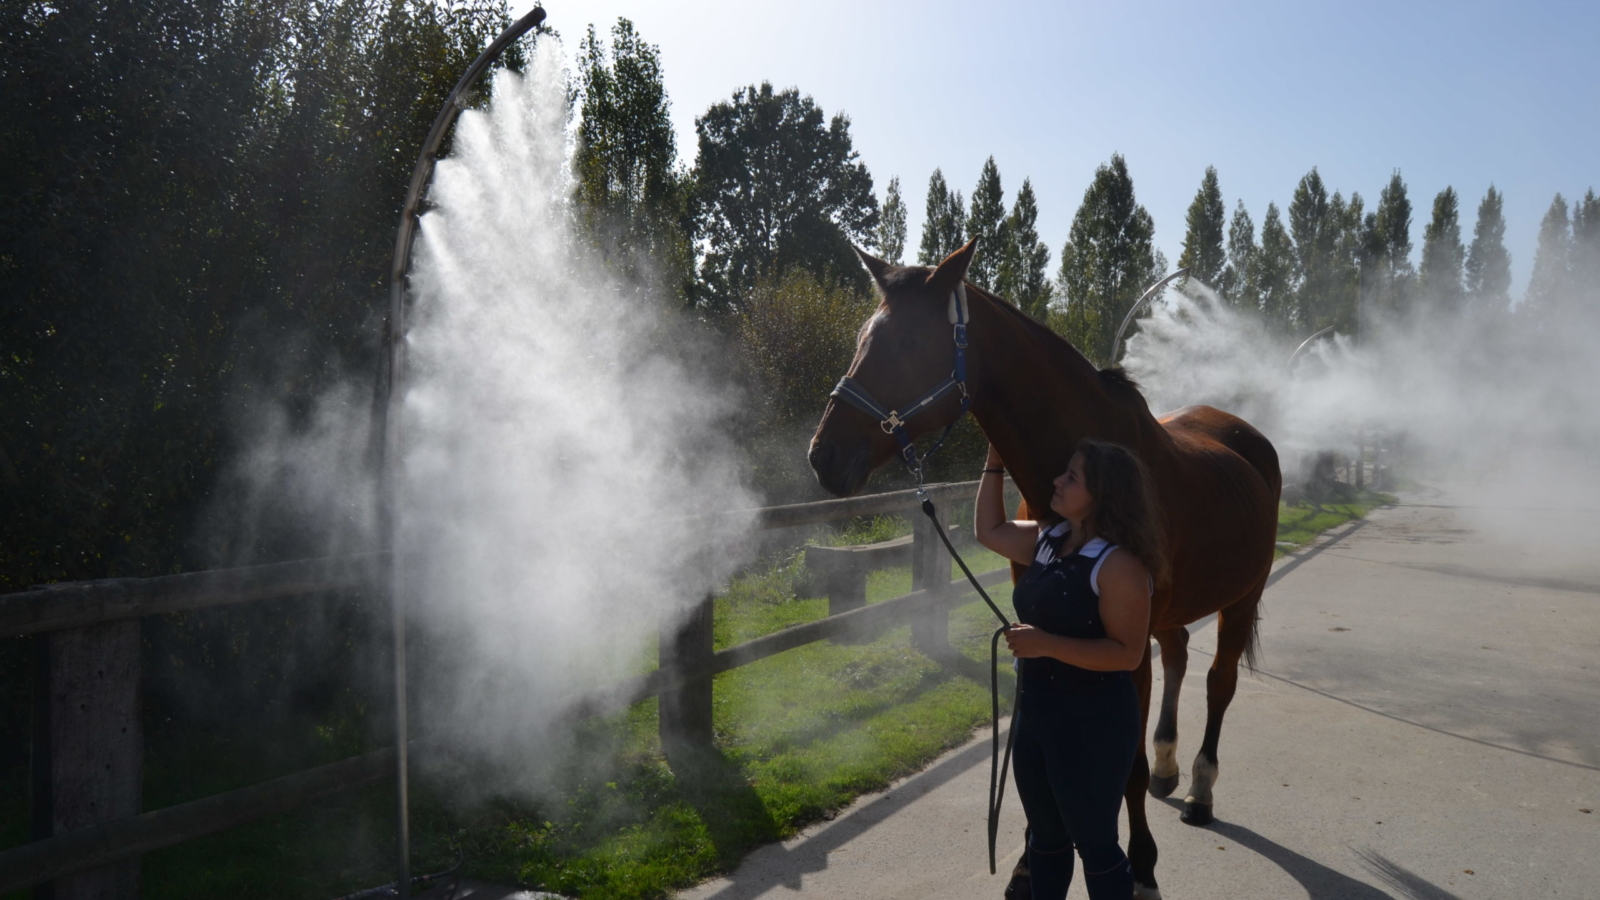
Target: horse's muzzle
[[840, 474]]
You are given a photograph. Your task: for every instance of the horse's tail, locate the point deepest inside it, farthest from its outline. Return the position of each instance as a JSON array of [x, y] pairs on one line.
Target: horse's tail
[[1252, 646]]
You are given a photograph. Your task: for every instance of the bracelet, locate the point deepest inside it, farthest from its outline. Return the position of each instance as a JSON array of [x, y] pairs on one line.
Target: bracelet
[[994, 471]]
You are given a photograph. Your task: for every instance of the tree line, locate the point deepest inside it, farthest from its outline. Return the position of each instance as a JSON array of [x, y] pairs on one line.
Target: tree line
[[202, 196]]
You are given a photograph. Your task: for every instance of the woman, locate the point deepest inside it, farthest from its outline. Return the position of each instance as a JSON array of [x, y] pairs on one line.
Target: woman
[[1084, 611]]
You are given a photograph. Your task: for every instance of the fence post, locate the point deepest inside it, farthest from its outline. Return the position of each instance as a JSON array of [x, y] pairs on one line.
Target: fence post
[[930, 570], [684, 712], [88, 753]]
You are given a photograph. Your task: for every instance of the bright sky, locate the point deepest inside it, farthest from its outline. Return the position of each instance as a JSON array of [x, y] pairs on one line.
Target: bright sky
[[1455, 93]]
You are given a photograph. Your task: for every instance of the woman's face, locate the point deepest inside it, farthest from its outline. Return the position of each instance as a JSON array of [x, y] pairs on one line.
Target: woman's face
[[1071, 499]]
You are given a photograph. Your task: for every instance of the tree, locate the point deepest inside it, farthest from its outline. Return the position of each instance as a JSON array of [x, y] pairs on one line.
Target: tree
[[1488, 264], [943, 218], [1548, 287], [778, 185], [1388, 249], [632, 199], [1343, 310], [218, 179], [986, 221], [891, 237], [1275, 264], [1314, 222], [1107, 262], [1023, 277], [1241, 277], [1442, 253], [1202, 253], [1585, 262]]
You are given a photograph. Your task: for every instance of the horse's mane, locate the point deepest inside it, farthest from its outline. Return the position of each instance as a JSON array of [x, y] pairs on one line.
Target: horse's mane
[[1116, 381]]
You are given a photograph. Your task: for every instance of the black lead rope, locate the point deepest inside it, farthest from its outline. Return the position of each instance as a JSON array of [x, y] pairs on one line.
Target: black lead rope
[[997, 768]]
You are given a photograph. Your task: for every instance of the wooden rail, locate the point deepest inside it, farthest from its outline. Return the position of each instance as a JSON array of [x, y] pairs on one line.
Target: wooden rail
[[77, 620]]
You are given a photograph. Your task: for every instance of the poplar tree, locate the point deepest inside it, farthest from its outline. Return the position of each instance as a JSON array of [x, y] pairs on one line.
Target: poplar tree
[[1388, 249], [1344, 310], [1203, 253], [1314, 224], [941, 222], [1108, 261], [1442, 253], [1023, 278], [891, 237], [1240, 278], [1551, 273], [986, 222], [1275, 272], [1488, 263], [1586, 241], [630, 195]]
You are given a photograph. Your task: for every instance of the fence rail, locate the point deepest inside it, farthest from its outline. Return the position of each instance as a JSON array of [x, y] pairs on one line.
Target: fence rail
[[71, 617]]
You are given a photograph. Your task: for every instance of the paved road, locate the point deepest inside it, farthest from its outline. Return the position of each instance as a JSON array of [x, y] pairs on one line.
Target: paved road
[[1426, 725]]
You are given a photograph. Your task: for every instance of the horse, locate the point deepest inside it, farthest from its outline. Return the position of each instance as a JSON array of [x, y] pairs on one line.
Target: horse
[[1034, 395]]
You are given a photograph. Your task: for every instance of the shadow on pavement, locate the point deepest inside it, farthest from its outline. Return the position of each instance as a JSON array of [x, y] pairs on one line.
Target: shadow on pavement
[[1402, 879], [785, 865], [1319, 881]]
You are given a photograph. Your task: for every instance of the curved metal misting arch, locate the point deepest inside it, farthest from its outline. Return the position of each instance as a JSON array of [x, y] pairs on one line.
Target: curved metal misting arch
[[1306, 343], [390, 384], [1116, 342]]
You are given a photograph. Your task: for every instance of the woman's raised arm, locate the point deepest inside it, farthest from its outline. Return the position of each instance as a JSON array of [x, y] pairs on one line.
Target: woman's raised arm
[[1012, 539]]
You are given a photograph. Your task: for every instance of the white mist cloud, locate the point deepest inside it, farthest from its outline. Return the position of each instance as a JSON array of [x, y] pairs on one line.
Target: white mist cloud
[[1510, 405], [552, 445]]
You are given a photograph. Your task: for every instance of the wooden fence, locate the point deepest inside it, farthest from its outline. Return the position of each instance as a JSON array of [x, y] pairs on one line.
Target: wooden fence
[[87, 742]]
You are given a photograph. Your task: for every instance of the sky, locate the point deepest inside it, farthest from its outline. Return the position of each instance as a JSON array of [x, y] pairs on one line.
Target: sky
[[1460, 94]]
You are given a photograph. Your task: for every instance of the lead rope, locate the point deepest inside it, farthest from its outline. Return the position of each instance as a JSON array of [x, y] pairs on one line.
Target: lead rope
[[997, 768]]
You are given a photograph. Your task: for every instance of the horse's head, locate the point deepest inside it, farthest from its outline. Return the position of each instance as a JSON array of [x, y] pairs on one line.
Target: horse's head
[[903, 351]]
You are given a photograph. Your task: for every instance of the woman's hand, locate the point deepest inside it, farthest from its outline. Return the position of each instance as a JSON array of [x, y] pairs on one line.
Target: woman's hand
[[1028, 642]]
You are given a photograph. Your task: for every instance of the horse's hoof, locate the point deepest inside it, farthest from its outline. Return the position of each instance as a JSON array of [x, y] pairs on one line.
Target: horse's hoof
[[1163, 786], [1196, 814], [1020, 888], [1146, 892]]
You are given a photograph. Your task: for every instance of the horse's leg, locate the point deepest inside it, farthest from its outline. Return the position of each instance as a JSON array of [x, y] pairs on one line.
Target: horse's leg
[[1141, 843], [1174, 662], [1236, 627]]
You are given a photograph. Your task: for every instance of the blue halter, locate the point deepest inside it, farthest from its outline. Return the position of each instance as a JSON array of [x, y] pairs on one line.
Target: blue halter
[[893, 422]]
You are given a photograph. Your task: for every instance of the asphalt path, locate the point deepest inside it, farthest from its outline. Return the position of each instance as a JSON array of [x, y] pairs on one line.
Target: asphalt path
[[1425, 724]]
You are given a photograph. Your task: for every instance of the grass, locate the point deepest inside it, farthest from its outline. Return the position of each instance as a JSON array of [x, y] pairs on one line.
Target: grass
[[1299, 523], [799, 735]]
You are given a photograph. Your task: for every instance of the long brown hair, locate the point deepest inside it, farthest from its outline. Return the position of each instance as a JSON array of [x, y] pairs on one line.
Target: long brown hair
[[1126, 512]]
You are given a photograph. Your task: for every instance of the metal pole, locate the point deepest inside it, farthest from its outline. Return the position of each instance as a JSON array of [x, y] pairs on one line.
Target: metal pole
[[1116, 342], [390, 386]]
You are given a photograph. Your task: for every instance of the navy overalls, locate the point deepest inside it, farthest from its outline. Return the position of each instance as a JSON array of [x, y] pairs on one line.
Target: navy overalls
[[1077, 733]]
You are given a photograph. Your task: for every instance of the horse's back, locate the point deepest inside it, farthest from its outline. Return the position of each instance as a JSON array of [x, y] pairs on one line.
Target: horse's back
[[1201, 429]]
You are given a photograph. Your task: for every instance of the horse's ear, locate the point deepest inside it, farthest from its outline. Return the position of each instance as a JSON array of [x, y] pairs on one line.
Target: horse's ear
[[954, 268], [877, 267]]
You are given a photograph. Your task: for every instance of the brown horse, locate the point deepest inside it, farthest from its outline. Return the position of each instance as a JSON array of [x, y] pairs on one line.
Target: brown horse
[[1035, 396]]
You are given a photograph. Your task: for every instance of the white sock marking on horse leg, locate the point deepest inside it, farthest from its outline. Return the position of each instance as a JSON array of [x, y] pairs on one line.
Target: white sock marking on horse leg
[[1145, 892], [1205, 775], [1166, 759]]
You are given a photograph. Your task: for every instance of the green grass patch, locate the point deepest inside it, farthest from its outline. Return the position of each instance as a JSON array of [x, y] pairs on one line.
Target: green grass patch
[[1299, 523]]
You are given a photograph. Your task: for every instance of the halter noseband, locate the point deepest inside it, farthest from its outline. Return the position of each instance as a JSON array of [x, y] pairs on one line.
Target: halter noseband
[[893, 422]]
